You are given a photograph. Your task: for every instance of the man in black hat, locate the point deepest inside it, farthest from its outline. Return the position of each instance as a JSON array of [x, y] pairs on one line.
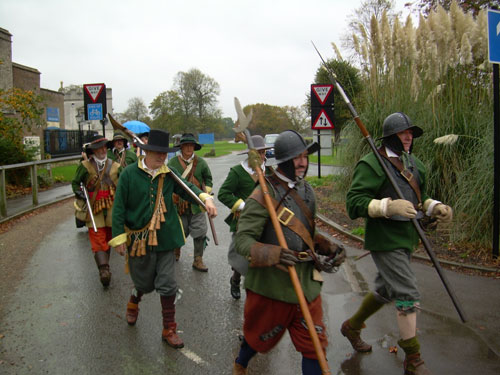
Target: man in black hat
[[145, 217], [233, 192], [118, 150], [194, 169], [389, 234], [99, 174]]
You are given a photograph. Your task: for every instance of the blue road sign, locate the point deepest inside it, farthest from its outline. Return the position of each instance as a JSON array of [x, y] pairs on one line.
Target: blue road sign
[[494, 36], [94, 111], [206, 139]]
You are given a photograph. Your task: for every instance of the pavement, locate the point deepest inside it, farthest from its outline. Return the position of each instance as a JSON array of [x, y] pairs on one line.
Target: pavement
[[448, 345]]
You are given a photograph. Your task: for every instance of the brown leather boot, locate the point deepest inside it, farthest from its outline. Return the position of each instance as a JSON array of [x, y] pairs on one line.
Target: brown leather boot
[[102, 259], [354, 336], [177, 252], [239, 369], [169, 335], [199, 265], [414, 365]]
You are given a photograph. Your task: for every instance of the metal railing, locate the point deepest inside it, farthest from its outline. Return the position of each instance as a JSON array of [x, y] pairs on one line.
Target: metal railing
[[33, 165]]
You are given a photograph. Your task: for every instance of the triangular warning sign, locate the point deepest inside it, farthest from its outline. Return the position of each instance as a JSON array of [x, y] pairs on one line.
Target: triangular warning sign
[[323, 121], [322, 92], [94, 90]]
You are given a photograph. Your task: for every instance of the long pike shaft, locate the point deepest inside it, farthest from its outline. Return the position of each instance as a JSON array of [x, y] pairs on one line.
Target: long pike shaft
[[415, 223]]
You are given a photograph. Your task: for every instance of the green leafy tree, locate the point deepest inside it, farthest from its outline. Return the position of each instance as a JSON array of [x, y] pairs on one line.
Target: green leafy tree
[[474, 6], [136, 110], [267, 119], [20, 110]]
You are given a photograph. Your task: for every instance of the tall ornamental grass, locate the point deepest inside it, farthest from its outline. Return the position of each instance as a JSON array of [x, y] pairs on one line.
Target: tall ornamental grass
[[437, 73]]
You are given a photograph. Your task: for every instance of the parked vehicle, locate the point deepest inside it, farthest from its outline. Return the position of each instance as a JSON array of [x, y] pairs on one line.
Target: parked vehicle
[[269, 140]]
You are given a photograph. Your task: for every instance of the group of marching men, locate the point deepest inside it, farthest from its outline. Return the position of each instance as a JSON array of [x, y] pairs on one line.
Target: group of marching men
[[135, 206]]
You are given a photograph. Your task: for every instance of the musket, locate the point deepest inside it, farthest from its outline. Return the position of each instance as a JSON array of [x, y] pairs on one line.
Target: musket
[[391, 179], [89, 205], [177, 179], [243, 127]]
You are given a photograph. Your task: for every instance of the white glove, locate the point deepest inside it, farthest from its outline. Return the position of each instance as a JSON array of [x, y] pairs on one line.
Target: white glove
[[442, 212], [387, 207]]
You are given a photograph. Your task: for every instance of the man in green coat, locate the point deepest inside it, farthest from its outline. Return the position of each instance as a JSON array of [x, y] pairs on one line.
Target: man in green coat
[[235, 189], [390, 235], [271, 305], [195, 170], [118, 150], [146, 226]]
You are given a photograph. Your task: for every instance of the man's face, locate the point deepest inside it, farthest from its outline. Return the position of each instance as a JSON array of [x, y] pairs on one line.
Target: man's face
[[101, 152], [300, 163], [406, 137], [119, 144], [154, 159], [187, 150], [262, 154]]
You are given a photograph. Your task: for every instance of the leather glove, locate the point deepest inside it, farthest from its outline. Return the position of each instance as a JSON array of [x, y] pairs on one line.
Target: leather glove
[[330, 263], [79, 194], [443, 213], [387, 207], [288, 258], [324, 246], [438, 210], [401, 207], [266, 255]]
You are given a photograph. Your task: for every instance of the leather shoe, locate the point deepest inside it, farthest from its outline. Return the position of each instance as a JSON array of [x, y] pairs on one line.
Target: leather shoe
[[354, 337], [235, 289], [169, 335], [132, 313]]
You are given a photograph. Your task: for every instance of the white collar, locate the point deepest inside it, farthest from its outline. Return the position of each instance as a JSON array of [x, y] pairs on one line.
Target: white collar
[[150, 171], [247, 168], [391, 154], [188, 160], [291, 184]]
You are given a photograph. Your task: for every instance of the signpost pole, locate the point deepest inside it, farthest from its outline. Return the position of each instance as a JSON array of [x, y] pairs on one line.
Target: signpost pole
[[494, 58], [319, 153]]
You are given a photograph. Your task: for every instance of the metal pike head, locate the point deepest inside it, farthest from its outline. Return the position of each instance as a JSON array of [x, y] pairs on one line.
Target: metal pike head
[[243, 120]]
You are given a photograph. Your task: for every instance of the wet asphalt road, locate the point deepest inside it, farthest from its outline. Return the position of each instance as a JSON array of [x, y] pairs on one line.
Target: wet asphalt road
[[62, 321]]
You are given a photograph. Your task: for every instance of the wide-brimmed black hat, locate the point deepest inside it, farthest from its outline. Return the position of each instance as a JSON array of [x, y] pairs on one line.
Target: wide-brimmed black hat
[[97, 141], [258, 144], [189, 138], [158, 141]]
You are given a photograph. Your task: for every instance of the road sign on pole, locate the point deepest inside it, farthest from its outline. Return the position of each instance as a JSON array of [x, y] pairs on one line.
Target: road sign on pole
[[322, 107], [494, 36], [94, 100]]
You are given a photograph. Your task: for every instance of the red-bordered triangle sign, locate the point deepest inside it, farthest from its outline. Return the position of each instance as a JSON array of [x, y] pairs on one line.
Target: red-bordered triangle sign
[[94, 90], [322, 92], [322, 121]]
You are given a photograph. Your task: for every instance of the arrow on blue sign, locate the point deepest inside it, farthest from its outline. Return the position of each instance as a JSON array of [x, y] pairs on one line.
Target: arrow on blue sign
[[494, 36]]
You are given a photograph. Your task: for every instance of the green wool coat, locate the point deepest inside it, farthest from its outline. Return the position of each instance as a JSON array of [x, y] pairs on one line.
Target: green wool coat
[[380, 234], [134, 204], [202, 174], [235, 189], [270, 282]]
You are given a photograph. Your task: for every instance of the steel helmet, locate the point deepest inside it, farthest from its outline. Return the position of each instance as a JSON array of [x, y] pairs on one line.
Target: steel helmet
[[398, 122], [290, 144]]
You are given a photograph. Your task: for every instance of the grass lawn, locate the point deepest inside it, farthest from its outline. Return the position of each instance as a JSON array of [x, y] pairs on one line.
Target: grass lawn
[[221, 148], [64, 173], [325, 159]]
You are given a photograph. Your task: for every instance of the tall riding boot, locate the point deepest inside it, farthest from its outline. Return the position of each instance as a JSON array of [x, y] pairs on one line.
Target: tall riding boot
[[102, 261], [133, 307], [169, 333], [199, 247], [413, 364]]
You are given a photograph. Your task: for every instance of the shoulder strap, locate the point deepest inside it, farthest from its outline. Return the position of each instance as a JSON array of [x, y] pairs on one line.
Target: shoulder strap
[[404, 172]]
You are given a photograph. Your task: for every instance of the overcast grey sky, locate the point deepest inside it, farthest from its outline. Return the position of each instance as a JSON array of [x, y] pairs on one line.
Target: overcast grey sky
[[259, 51]]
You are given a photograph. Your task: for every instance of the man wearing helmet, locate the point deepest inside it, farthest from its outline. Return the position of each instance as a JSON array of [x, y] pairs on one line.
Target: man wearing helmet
[[271, 305], [390, 235], [118, 151]]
